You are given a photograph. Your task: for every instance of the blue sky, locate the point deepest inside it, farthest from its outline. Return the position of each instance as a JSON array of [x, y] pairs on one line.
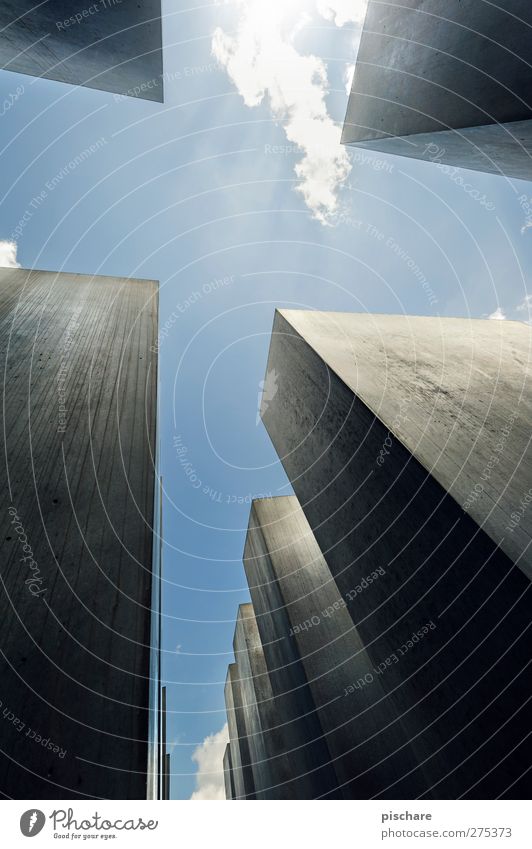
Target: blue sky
[[236, 195]]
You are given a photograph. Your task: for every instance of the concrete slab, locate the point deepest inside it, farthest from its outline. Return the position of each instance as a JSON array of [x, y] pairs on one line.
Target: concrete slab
[[242, 772], [365, 740], [79, 411], [228, 774], [112, 45], [456, 392], [266, 733], [427, 67], [503, 149], [376, 420]]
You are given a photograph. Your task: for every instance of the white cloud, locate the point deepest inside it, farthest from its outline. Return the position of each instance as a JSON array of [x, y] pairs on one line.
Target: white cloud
[[526, 306], [498, 315], [343, 11], [209, 758], [265, 66], [8, 254]]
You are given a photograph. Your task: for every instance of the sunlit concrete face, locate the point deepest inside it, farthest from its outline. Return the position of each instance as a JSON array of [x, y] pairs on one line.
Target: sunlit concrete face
[[406, 441], [313, 774], [445, 82], [241, 770], [113, 45], [266, 732], [78, 451]]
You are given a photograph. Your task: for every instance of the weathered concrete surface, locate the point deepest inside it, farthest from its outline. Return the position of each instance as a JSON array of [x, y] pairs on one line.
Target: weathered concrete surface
[[244, 786], [228, 774], [367, 746], [265, 731], [457, 393], [504, 149], [375, 418], [426, 66], [79, 400], [113, 45]]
